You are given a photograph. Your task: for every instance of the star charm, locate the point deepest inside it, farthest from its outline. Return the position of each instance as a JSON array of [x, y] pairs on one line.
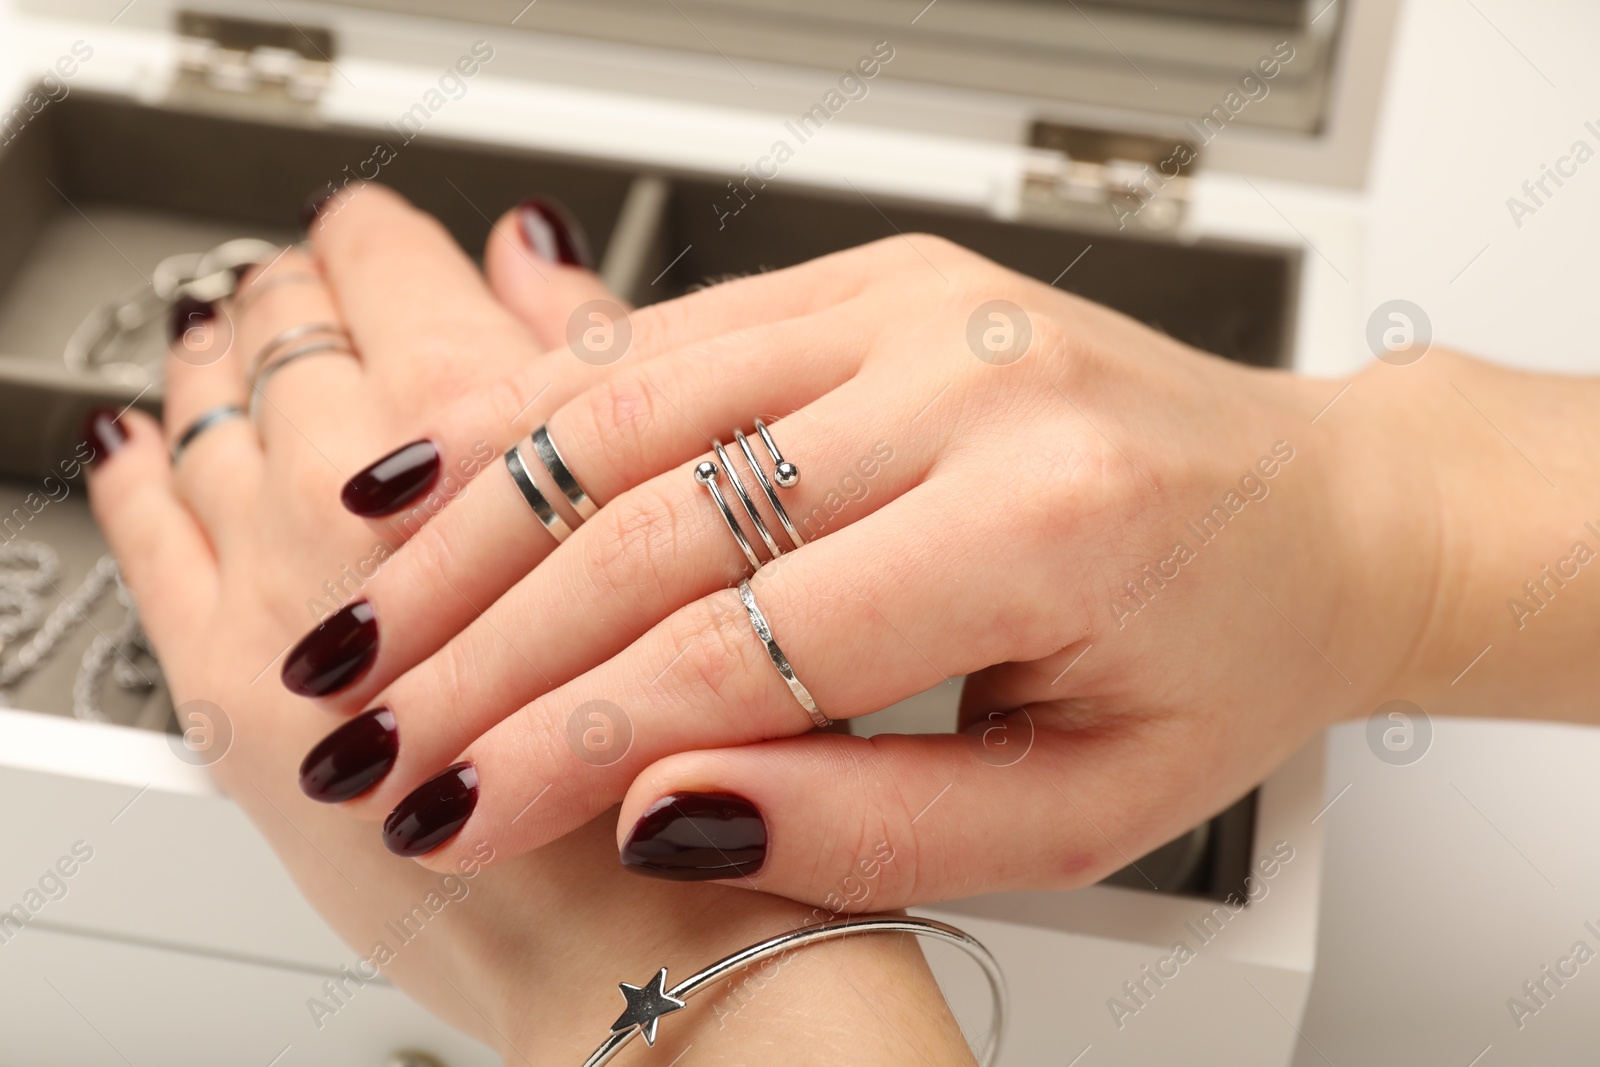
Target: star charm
[[646, 1005]]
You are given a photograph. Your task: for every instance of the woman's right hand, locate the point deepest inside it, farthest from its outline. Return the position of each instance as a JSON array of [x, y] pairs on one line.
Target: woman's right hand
[[222, 555]]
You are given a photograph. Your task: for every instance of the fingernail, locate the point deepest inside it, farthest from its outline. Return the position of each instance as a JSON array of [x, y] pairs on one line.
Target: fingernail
[[334, 654], [187, 313], [697, 837], [103, 432], [393, 482], [312, 208], [553, 234], [433, 812], [352, 759]]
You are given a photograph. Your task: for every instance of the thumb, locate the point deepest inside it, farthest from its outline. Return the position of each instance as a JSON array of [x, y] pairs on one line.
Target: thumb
[[856, 824]]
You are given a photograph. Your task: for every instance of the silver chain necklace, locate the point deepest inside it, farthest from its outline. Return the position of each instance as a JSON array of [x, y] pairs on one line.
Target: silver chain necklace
[[28, 572]]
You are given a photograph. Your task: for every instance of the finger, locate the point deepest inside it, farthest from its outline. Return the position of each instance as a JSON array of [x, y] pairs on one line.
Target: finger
[[460, 440], [909, 819], [642, 422], [219, 468], [540, 266], [306, 388], [852, 613], [419, 311], [165, 558]]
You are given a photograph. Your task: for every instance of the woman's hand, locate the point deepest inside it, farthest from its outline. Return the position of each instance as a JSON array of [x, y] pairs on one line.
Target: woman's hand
[[224, 553], [1162, 573]]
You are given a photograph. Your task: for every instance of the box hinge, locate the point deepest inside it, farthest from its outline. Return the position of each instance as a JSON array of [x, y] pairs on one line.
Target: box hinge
[[278, 65], [1124, 179]]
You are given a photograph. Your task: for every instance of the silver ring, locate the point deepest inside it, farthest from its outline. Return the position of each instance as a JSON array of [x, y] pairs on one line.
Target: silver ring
[[783, 470], [257, 288], [779, 660], [547, 515], [744, 498], [286, 338], [208, 419], [550, 456], [258, 382], [649, 1002], [706, 475]]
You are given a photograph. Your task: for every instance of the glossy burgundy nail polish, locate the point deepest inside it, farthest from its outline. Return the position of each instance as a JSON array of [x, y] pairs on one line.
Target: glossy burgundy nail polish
[[335, 654], [188, 313], [697, 837], [433, 812], [393, 481], [104, 433], [352, 759], [553, 234]]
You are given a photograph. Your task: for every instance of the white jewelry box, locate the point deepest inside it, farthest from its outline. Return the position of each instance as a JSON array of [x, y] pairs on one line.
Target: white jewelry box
[[1017, 128]]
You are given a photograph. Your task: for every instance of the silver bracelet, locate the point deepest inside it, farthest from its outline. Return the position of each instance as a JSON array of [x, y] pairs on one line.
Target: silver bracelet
[[649, 1002]]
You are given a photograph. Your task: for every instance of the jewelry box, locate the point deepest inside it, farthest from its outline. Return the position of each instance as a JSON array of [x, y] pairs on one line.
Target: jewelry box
[[1196, 165]]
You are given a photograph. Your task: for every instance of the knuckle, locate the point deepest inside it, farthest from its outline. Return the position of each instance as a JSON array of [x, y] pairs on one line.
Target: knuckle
[[635, 548], [716, 650], [619, 412]]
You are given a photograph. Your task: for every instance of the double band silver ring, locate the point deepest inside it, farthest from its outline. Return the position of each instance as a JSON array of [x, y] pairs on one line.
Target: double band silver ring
[[208, 419], [560, 474]]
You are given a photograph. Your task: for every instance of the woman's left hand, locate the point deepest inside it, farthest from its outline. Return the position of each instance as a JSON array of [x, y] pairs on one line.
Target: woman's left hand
[[1161, 571]]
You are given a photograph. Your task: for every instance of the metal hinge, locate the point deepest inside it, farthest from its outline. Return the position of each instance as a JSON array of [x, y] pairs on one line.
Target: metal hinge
[[1128, 180], [277, 63]]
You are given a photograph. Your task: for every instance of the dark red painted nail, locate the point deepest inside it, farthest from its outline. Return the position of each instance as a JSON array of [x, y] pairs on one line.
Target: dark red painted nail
[[553, 234], [104, 433], [394, 481], [433, 812], [352, 759], [335, 654], [187, 314], [312, 208], [697, 837]]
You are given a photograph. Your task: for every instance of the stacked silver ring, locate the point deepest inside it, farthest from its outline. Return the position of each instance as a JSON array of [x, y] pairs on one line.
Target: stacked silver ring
[[297, 342], [784, 473], [208, 419], [556, 467]]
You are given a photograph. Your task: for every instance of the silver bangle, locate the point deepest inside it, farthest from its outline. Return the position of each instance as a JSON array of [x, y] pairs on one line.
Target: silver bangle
[[548, 517], [649, 1002], [550, 456], [758, 621], [207, 419]]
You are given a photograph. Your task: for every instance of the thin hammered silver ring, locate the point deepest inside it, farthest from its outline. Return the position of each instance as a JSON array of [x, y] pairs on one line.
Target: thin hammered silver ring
[[706, 475], [287, 337], [649, 1002], [758, 622], [207, 420], [548, 517], [550, 456], [258, 383]]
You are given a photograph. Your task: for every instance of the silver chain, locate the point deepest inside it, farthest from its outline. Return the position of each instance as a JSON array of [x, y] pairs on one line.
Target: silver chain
[[100, 346], [26, 572]]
